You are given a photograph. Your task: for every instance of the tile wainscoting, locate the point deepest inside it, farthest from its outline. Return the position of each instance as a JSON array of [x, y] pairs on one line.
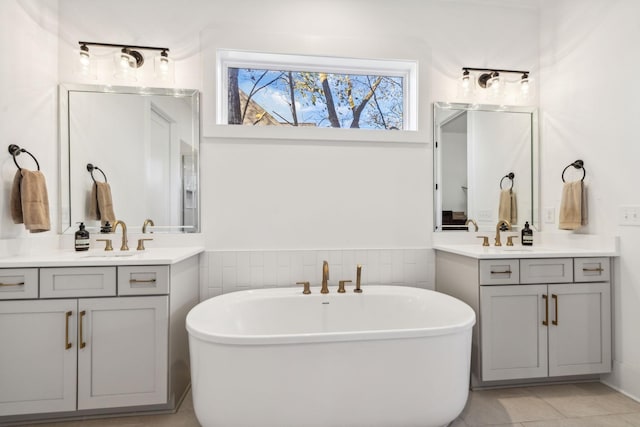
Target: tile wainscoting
[[227, 271]]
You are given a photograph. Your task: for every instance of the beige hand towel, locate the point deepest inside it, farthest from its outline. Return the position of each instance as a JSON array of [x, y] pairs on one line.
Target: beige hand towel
[[573, 206], [30, 201], [507, 208], [101, 203]]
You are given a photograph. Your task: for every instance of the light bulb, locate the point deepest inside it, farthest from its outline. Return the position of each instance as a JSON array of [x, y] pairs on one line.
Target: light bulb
[[164, 65], [524, 84]]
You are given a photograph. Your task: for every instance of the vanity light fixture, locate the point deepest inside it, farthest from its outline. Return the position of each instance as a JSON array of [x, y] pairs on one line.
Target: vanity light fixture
[[492, 79], [128, 58]]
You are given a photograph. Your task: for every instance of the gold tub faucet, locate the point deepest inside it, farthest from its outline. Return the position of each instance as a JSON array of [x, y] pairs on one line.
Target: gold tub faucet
[[124, 246], [325, 277], [500, 222]]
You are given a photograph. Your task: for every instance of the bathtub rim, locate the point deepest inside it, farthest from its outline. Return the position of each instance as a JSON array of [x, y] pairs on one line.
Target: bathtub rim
[[324, 337]]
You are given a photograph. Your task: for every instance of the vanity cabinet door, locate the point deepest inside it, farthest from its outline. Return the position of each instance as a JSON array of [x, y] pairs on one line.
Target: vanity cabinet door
[[513, 336], [37, 356], [580, 329], [122, 354]]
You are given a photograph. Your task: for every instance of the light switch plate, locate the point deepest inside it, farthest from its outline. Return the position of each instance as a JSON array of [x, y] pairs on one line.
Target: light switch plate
[[549, 215], [629, 215]]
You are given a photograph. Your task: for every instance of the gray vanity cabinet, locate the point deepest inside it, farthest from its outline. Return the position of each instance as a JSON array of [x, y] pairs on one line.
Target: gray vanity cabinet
[[87, 339], [537, 318]]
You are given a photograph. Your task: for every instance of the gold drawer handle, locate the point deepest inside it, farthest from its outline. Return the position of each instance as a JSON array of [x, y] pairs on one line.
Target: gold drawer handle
[[555, 297], [67, 316], [12, 284], [593, 270], [82, 343], [501, 272], [545, 322], [142, 281]]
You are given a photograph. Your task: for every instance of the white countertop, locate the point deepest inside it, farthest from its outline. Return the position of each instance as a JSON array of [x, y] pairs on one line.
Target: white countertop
[[99, 257], [501, 252], [545, 245]]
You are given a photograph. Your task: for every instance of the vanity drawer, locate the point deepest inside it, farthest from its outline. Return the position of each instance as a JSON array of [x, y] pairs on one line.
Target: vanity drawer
[[143, 280], [74, 282], [499, 272], [18, 283], [546, 270], [591, 269]]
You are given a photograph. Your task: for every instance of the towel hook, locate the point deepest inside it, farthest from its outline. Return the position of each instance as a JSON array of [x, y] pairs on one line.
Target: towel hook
[[91, 168], [578, 164], [14, 150], [510, 175]]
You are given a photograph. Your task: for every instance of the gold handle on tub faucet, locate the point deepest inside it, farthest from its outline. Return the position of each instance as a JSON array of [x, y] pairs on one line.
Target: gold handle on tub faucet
[[358, 277], [307, 289], [341, 286]]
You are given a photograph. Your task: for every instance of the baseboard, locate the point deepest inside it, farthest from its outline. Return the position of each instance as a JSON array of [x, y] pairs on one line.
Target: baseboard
[[624, 379]]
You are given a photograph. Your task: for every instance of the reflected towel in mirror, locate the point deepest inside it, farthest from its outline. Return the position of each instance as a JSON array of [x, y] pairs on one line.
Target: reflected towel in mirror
[[101, 203], [508, 208], [29, 201], [573, 206]]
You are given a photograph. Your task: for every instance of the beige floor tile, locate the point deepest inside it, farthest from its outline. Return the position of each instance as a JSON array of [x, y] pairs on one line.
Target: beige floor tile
[[506, 406], [585, 399], [633, 419], [599, 421]]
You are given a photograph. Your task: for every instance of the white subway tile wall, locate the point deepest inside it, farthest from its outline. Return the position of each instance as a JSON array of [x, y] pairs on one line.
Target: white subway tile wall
[[229, 271]]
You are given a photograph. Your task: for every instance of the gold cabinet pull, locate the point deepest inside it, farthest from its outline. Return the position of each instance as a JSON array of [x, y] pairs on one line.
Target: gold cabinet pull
[[67, 316], [593, 270], [142, 280], [12, 284], [82, 343], [545, 322], [555, 321]]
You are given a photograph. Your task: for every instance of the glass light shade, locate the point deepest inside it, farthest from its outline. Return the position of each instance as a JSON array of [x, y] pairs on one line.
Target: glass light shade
[[164, 68], [85, 68], [124, 67]]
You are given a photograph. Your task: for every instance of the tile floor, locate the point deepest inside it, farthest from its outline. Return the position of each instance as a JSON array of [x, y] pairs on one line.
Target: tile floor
[[567, 405]]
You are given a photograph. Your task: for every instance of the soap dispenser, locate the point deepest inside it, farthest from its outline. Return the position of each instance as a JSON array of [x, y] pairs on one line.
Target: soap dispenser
[[527, 235], [82, 238]]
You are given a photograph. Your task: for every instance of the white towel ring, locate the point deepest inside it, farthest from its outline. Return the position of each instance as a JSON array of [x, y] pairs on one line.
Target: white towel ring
[[578, 164]]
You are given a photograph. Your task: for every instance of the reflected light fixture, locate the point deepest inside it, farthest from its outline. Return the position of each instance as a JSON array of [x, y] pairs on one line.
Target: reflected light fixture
[[127, 58], [491, 79]]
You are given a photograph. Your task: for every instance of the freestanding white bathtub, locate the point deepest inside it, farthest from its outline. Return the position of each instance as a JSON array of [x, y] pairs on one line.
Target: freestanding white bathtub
[[392, 356]]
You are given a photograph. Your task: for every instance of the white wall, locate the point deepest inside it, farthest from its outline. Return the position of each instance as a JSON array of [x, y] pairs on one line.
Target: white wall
[[588, 93], [28, 109]]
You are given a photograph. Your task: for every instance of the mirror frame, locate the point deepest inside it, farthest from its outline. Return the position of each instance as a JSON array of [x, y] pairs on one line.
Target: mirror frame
[[535, 151], [64, 89]]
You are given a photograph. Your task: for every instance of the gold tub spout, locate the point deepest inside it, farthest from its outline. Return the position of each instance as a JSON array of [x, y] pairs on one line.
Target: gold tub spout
[[124, 246], [325, 277], [500, 222]]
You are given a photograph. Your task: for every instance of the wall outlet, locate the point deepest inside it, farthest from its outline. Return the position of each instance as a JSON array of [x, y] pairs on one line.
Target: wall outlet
[[549, 215], [629, 215], [484, 214]]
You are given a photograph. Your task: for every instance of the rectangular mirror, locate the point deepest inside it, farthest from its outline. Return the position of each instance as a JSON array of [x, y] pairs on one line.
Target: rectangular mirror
[[145, 143], [483, 153]]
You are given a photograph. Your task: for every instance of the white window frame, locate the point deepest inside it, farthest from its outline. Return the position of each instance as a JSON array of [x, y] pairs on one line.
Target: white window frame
[[408, 70]]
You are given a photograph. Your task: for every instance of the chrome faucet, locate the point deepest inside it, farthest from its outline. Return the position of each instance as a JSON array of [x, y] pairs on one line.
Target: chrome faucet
[[325, 278], [124, 246], [472, 221], [501, 222], [147, 222]]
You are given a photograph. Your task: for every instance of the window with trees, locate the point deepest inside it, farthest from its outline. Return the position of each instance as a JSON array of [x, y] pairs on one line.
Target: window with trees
[[302, 91]]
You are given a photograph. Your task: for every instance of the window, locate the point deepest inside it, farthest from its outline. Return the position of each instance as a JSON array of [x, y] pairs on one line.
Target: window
[[260, 89]]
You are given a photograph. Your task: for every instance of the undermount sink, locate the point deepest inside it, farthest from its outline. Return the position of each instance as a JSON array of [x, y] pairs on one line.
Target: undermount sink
[[106, 254]]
